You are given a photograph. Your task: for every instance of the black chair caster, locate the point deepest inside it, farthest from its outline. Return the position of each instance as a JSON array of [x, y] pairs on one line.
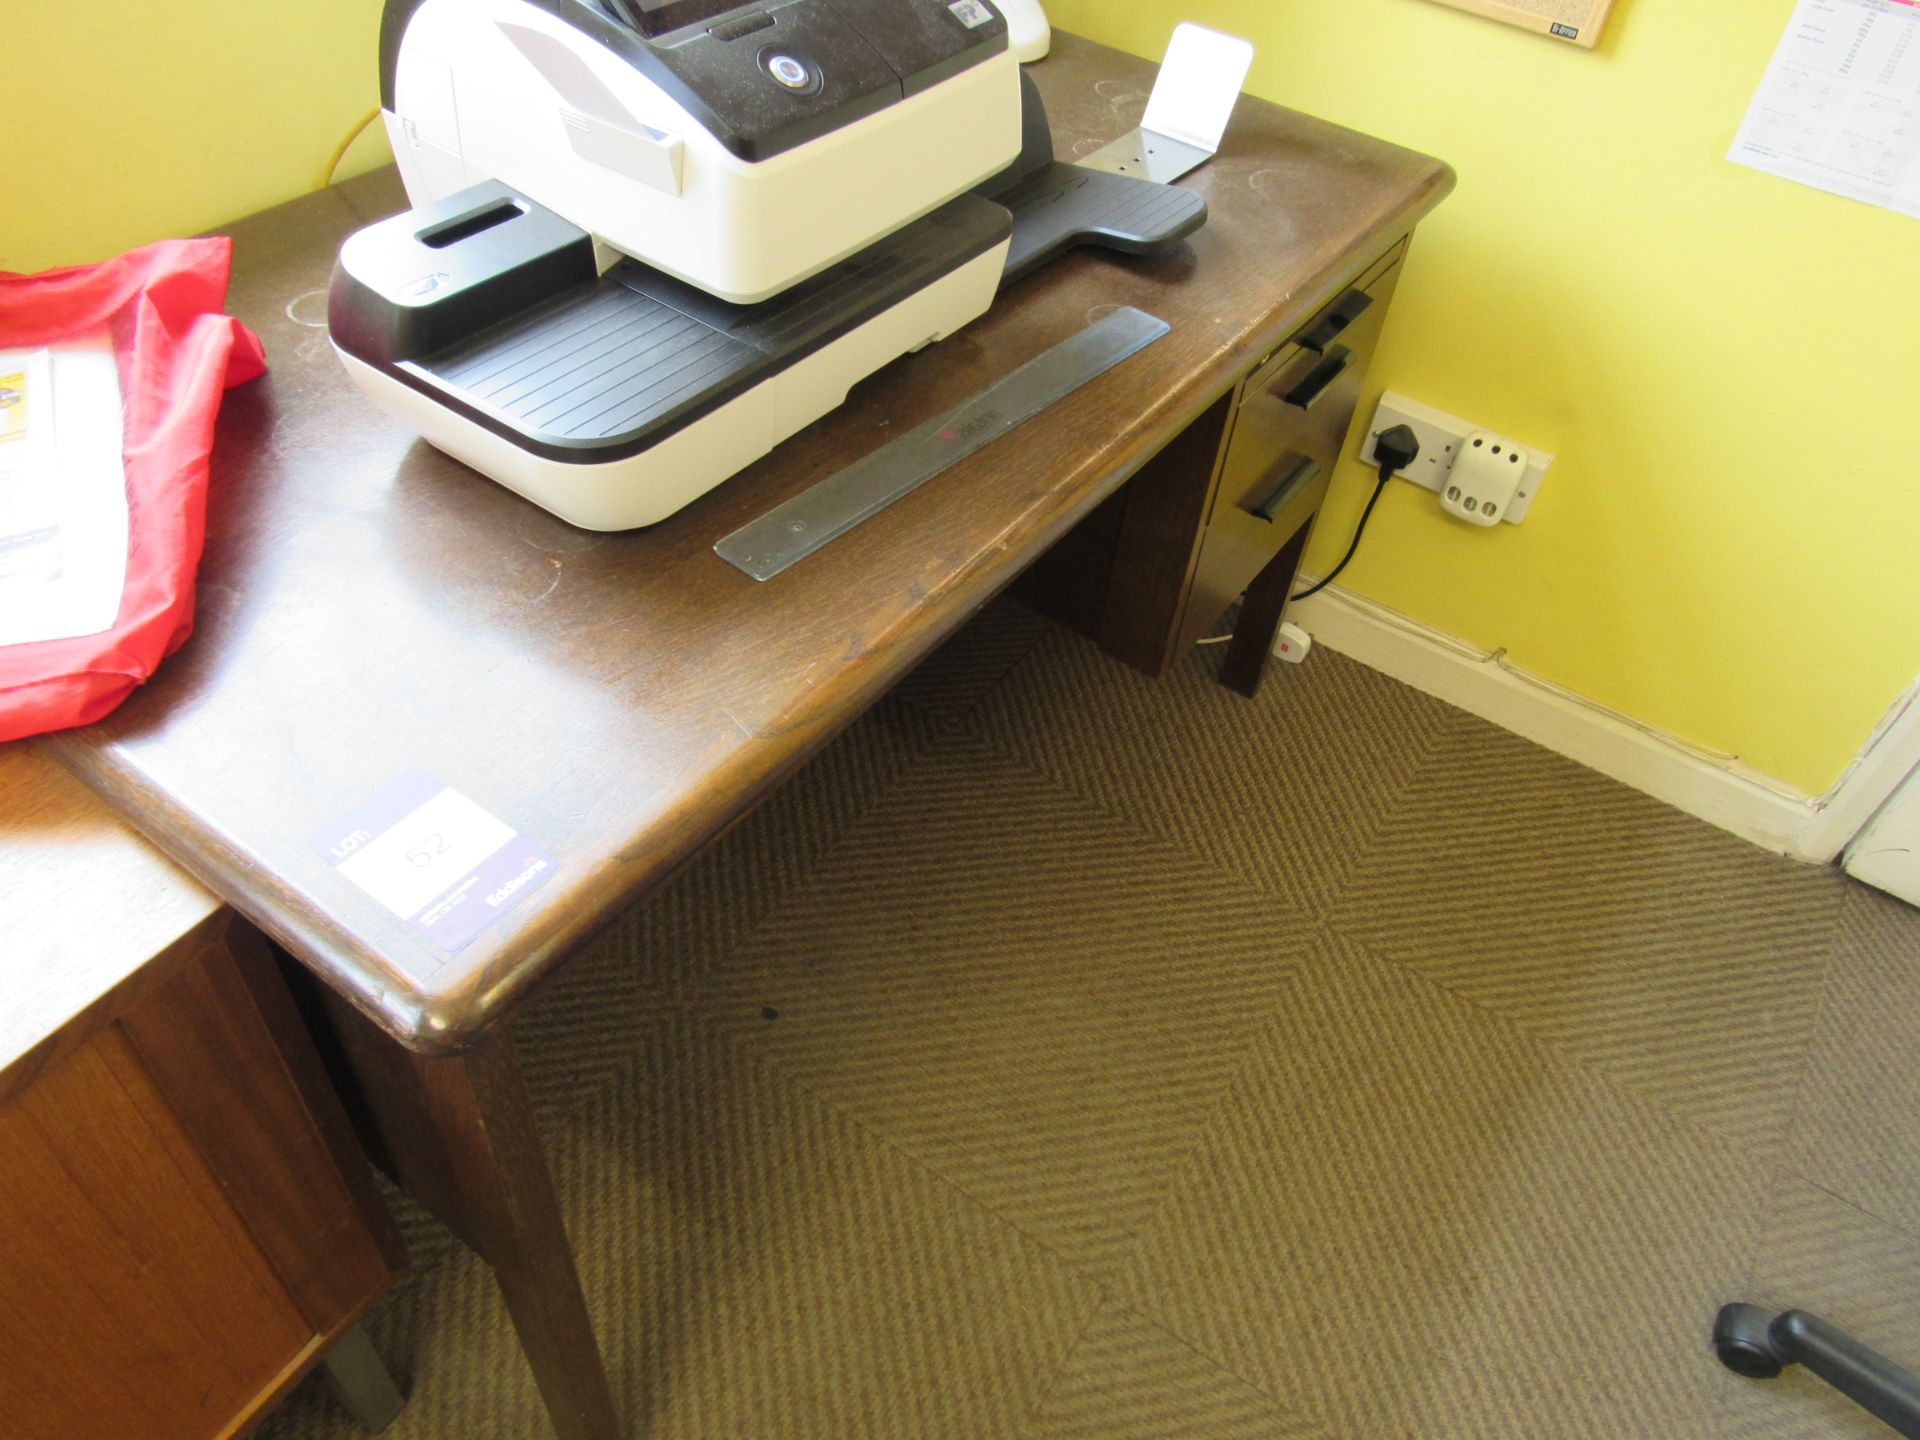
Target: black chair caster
[[1756, 1343]]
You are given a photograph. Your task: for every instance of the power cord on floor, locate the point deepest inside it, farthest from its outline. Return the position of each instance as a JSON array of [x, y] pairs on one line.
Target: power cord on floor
[[1395, 449]]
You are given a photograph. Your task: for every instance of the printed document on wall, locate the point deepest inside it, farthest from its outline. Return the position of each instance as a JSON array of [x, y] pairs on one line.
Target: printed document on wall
[[1840, 106]]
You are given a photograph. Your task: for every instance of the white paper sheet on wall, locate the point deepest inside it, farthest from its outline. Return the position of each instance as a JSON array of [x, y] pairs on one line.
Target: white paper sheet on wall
[[1839, 108]]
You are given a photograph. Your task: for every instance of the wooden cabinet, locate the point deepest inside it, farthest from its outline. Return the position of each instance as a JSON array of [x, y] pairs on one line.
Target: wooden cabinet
[[1288, 431], [185, 1229], [1226, 510]]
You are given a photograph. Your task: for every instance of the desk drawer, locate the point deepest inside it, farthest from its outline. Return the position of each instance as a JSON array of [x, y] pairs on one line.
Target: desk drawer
[[1288, 434]]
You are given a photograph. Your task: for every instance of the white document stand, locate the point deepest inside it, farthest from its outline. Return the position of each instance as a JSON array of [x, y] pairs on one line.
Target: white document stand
[[1192, 101]]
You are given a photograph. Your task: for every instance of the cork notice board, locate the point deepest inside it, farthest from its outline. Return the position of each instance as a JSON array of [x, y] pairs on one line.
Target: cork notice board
[[1578, 22]]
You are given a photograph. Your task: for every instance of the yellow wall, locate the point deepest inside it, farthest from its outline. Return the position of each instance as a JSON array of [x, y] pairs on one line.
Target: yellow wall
[[128, 122], [1725, 550]]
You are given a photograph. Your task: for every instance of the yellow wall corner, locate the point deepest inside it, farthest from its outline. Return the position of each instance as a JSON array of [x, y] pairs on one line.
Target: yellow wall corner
[[137, 122]]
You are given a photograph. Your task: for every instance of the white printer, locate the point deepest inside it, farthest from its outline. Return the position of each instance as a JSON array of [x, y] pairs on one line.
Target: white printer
[[653, 238]]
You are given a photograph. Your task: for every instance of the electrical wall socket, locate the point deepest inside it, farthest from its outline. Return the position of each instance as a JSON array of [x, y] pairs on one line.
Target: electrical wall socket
[[1441, 436]]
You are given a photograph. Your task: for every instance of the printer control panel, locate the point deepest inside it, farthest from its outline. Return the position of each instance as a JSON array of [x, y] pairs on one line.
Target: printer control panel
[[769, 75]]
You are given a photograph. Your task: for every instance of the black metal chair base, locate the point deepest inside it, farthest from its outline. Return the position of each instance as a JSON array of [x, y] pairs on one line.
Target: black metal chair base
[[1759, 1344]]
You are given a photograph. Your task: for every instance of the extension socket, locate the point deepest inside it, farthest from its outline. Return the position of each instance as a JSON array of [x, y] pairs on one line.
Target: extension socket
[[1484, 479], [1441, 436]]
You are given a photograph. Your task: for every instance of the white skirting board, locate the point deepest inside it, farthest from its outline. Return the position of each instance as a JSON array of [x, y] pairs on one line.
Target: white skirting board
[[1716, 789]]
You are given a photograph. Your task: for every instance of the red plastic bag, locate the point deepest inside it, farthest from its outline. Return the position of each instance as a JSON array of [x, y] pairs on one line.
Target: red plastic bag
[[176, 354]]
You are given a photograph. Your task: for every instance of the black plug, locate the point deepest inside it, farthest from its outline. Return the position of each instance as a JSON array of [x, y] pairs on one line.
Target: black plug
[[1396, 449]]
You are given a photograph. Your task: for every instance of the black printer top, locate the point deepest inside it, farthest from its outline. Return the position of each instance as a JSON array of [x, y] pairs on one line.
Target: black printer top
[[656, 17], [767, 76]]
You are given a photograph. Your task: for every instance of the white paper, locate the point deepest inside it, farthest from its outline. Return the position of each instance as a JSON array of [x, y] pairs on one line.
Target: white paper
[[425, 852], [30, 546], [1198, 87], [1839, 108], [63, 493]]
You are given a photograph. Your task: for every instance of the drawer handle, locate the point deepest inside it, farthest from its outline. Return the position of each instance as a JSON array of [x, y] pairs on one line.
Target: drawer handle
[[1334, 323], [1312, 390], [1305, 467]]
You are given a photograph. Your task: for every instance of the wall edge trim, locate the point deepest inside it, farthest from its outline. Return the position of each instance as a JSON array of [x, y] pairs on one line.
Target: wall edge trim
[[1718, 790], [1891, 754]]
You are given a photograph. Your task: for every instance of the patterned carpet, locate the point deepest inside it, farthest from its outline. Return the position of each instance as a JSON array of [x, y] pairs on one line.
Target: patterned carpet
[[1068, 1057]]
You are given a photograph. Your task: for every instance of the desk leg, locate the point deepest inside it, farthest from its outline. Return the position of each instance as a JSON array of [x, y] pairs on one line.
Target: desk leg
[[1260, 611], [363, 1382], [458, 1133]]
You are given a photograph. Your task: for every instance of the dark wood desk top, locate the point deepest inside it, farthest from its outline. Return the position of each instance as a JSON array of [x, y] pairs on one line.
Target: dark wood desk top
[[368, 606]]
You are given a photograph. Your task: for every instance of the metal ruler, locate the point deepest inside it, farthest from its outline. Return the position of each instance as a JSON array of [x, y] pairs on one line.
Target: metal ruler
[[789, 533]]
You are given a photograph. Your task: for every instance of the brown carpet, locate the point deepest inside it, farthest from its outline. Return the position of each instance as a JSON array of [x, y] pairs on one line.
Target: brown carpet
[[1068, 1057]]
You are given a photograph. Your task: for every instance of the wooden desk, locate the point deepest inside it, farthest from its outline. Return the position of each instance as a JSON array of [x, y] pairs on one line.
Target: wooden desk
[[369, 607], [188, 1230]]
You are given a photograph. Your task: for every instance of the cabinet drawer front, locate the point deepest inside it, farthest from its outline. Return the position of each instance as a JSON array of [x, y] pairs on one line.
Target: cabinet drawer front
[[1303, 399], [1288, 434], [1352, 319], [1283, 498]]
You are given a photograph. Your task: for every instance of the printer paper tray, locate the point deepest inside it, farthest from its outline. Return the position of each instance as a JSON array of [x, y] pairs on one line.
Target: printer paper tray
[[1062, 206], [605, 369]]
